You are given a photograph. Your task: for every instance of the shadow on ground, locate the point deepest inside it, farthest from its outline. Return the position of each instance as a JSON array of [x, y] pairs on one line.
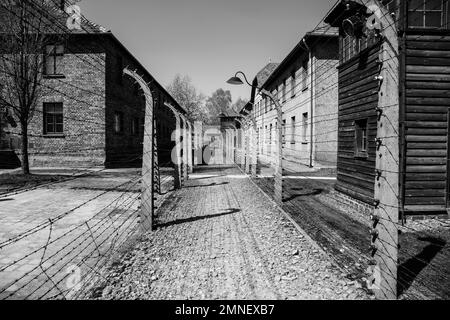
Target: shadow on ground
[[193, 219]]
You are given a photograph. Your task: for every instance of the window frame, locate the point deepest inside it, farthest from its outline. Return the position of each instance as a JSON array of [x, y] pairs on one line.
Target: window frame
[[119, 123], [46, 113], [305, 128], [362, 138], [445, 16], [134, 128], [293, 129], [293, 84], [56, 58], [305, 73]]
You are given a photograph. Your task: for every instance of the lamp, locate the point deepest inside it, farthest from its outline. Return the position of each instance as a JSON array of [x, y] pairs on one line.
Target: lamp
[[353, 26], [235, 81]]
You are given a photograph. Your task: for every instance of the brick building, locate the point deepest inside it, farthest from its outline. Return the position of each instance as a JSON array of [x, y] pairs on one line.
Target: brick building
[[303, 84], [89, 113]]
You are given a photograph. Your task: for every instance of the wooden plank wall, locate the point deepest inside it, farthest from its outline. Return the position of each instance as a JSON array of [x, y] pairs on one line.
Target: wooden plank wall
[[426, 122], [358, 99]]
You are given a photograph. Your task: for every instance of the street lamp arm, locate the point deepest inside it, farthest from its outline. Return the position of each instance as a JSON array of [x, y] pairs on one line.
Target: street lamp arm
[[246, 80]]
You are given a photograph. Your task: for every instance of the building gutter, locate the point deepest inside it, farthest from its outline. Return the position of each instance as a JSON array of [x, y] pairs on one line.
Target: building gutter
[[311, 140]]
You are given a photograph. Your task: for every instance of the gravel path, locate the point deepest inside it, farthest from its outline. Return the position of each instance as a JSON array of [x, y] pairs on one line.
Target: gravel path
[[221, 238]]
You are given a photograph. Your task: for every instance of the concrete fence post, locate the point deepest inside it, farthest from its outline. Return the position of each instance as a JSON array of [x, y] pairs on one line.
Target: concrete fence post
[[278, 158], [147, 197], [176, 153], [386, 214]]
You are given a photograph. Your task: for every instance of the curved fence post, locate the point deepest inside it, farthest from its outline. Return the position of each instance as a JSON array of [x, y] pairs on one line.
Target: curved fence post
[[176, 158], [147, 207], [386, 213], [185, 143]]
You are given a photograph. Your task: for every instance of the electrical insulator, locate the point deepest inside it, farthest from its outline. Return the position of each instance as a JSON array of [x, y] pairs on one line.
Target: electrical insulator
[[376, 203], [378, 142], [378, 174], [379, 78], [379, 112]]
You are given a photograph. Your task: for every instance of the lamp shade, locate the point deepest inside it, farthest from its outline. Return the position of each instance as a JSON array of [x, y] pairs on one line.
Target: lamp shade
[[235, 81], [353, 26]]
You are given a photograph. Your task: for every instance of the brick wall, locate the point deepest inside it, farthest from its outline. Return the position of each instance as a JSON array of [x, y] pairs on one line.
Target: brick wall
[[81, 90], [326, 103], [92, 90], [123, 96]]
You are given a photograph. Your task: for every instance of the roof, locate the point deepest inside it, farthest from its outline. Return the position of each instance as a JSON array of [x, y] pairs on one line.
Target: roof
[[147, 73], [229, 113], [342, 10], [265, 72], [55, 22], [246, 108], [319, 32]]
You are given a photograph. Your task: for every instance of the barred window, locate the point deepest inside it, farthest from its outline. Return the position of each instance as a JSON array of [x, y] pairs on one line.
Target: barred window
[[293, 84], [118, 122], [352, 46], [53, 118], [305, 75], [428, 14], [53, 59], [134, 127], [361, 138]]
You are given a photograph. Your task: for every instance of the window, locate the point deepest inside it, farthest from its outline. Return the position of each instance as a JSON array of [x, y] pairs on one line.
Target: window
[[135, 126], [305, 126], [361, 138], [266, 109], [428, 14], [53, 59], [351, 46], [293, 84], [283, 132], [283, 91], [270, 139], [265, 140], [293, 130], [53, 119], [305, 75], [118, 122]]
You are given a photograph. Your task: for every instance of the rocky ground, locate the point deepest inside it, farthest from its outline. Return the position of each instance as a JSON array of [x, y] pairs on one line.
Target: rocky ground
[[220, 237], [424, 257]]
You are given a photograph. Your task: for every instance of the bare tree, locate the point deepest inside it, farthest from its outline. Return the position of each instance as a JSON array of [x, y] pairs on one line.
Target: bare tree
[[185, 93], [23, 42], [219, 102]]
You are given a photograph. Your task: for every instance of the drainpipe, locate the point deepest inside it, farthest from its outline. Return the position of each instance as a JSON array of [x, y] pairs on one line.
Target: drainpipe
[[311, 111]]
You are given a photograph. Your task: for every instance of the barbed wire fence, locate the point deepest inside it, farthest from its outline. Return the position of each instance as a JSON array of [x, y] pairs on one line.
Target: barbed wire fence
[[63, 257], [405, 258]]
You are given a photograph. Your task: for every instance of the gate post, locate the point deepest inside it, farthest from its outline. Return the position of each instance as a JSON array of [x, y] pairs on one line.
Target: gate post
[[147, 197]]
